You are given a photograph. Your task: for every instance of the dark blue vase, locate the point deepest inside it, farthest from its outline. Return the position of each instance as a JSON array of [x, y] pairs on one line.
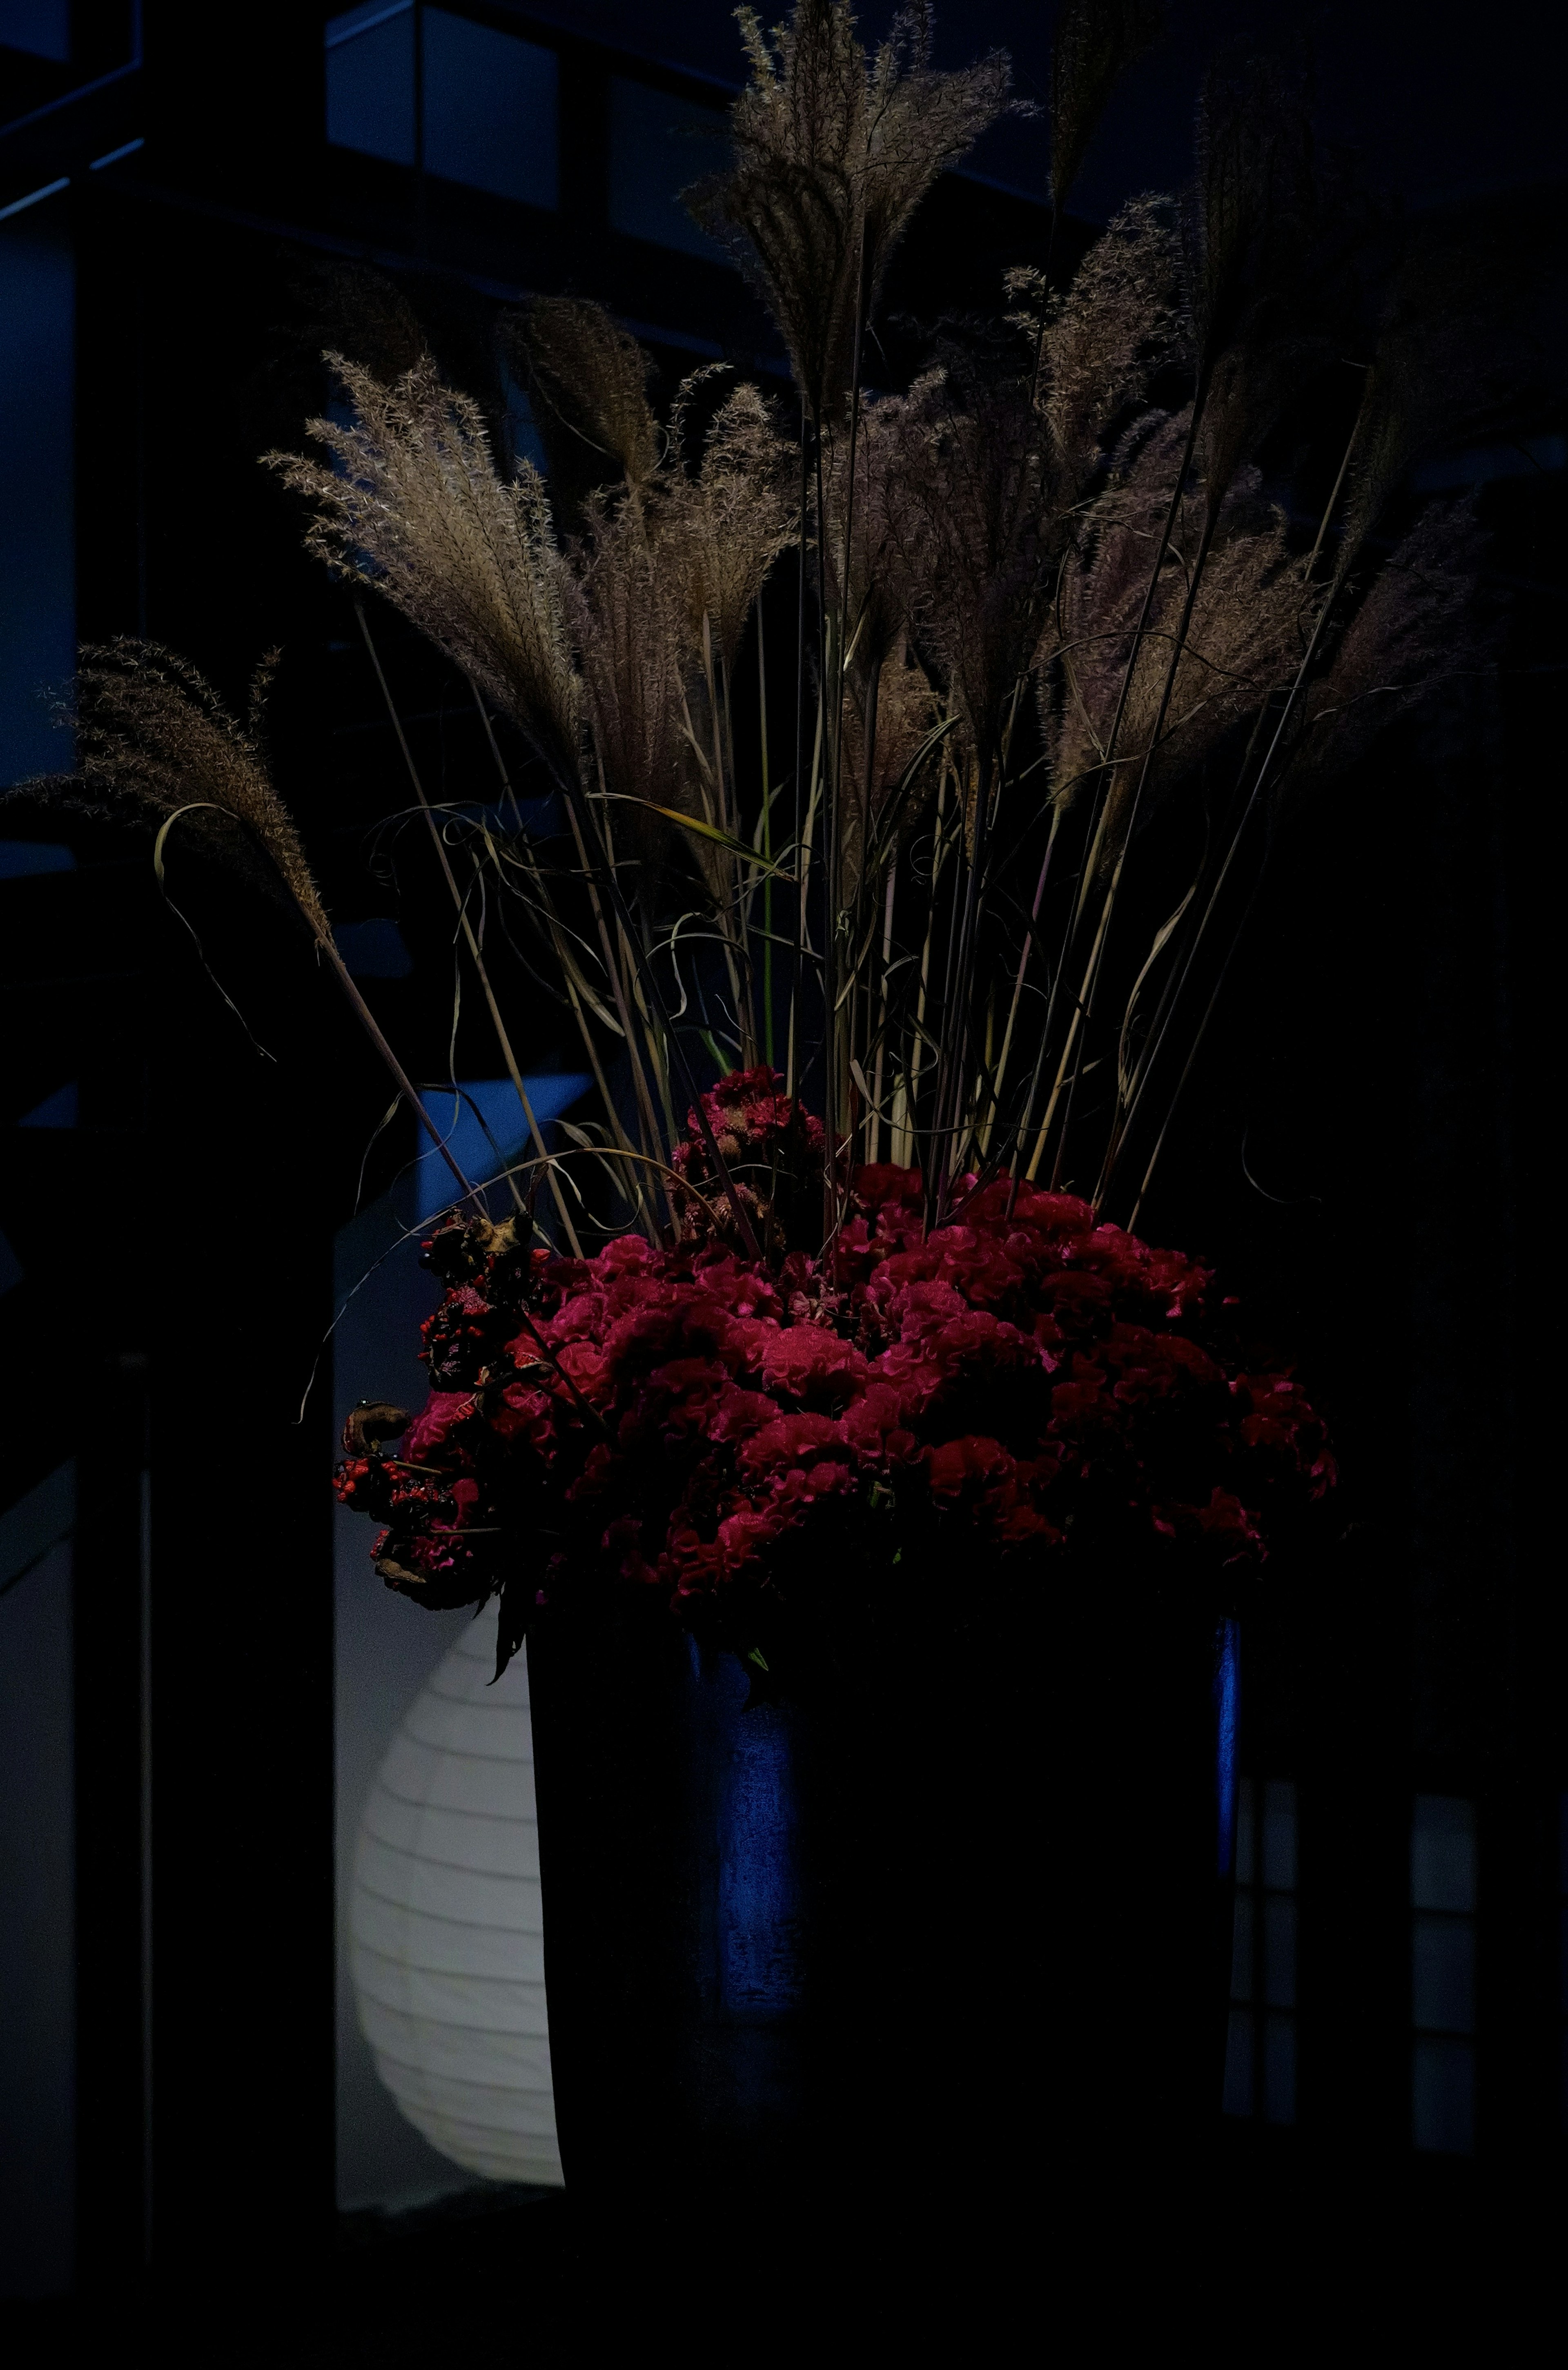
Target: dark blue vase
[[961, 1901]]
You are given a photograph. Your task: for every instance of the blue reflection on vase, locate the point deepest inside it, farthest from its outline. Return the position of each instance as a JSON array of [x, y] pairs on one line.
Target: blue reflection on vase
[[745, 1770], [1227, 1710], [759, 1969]]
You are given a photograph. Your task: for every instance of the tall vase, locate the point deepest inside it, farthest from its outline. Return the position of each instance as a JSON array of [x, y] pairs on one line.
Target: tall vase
[[968, 1897]]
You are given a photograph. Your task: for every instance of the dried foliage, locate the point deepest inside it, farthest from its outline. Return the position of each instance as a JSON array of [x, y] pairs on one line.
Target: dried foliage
[[413, 504], [1245, 636], [833, 153], [1068, 586], [1121, 322], [722, 526], [154, 738], [589, 383], [890, 712], [626, 616], [977, 504]]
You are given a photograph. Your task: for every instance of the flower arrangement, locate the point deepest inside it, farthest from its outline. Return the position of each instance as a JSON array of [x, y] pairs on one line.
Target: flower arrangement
[[753, 1438], [1051, 638]]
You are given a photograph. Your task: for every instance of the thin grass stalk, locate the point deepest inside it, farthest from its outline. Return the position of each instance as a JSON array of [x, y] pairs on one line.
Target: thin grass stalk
[[766, 847], [916, 1060], [728, 818], [874, 1143], [658, 1013], [835, 771], [1125, 688], [1187, 1066], [830, 880], [404, 1083], [1127, 1101], [948, 1053], [995, 1104], [617, 990], [798, 787], [958, 1008], [1084, 1012], [1100, 809], [807, 840], [1151, 1055], [744, 888], [636, 1198], [1207, 914], [476, 953]]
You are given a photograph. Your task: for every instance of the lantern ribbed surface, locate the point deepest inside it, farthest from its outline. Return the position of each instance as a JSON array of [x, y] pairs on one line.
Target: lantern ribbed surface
[[446, 1926]]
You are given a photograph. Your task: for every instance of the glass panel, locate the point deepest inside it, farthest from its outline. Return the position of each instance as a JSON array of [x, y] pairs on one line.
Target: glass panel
[[1442, 1974], [1246, 1832], [41, 27], [656, 151], [1279, 1834], [1279, 1953], [490, 111], [1443, 1853], [1238, 2062], [1279, 2069], [1443, 2097], [370, 83], [37, 527], [1241, 1949], [485, 1128], [1226, 1702]]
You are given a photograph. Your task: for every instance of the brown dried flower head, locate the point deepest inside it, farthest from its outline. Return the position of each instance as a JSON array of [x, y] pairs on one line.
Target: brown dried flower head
[[1248, 629], [833, 153], [413, 504], [153, 737], [589, 383]]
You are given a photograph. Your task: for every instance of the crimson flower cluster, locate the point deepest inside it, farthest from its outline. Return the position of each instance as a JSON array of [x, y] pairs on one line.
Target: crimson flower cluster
[[753, 1438]]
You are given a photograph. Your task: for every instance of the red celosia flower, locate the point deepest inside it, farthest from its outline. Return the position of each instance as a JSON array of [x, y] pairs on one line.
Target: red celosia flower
[[1021, 1383]]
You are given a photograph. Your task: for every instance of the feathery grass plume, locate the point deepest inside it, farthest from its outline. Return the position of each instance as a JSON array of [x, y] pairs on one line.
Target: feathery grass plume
[[832, 156], [880, 519], [877, 751], [975, 553], [154, 738], [722, 526], [625, 614], [1121, 321], [1092, 45], [1418, 625], [1244, 636], [359, 312], [588, 380], [414, 506]]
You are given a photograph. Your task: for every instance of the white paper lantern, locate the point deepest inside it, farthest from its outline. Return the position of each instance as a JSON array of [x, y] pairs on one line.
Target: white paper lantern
[[446, 1925]]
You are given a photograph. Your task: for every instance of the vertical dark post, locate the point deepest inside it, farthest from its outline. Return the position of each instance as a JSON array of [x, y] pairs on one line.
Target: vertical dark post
[[241, 1626], [109, 1580]]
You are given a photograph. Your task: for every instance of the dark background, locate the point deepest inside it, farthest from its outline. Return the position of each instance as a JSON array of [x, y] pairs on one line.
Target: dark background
[[1385, 1070]]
